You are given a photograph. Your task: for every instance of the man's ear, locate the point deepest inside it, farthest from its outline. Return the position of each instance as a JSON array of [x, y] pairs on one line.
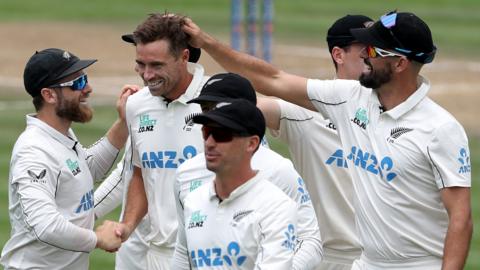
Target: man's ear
[[338, 55], [49, 95]]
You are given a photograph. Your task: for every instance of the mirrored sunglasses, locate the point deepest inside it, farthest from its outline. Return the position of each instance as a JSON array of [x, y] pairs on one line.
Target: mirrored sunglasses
[[77, 84]]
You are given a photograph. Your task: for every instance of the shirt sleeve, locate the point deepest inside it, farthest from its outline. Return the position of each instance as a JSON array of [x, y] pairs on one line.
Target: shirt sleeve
[[109, 194], [291, 116], [278, 234], [449, 156], [101, 157], [328, 95], [34, 184], [180, 258], [308, 250]]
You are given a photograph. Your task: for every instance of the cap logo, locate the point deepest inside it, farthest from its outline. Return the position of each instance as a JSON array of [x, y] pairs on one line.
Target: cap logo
[[368, 24], [222, 104], [66, 55], [212, 81]]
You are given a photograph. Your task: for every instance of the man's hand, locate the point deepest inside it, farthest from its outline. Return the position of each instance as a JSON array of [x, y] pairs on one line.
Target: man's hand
[[197, 36], [127, 90], [107, 237]]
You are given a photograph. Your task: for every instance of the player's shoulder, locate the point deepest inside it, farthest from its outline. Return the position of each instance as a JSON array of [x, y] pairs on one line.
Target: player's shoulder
[[271, 196], [139, 97], [265, 158], [191, 167]]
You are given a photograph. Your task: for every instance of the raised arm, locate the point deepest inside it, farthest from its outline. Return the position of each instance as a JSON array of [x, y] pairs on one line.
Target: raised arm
[[266, 78]]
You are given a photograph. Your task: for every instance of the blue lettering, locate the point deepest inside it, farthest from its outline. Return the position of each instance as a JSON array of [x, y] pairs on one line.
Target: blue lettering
[[204, 257], [217, 252], [373, 166], [361, 159], [170, 162], [193, 259]]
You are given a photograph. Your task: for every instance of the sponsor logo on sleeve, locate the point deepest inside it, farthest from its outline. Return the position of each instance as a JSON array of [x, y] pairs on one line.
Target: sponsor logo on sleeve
[[305, 197], [38, 178], [464, 160], [290, 238]]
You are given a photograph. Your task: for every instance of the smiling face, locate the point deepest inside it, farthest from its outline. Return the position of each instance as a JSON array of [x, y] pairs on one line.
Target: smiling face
[[73, 105], [160, 70]]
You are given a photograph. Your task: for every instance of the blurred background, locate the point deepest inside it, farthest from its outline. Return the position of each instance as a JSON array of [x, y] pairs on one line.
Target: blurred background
[[92, 29]]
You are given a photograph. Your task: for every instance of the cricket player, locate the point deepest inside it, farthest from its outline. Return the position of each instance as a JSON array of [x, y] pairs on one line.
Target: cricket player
[[160, 138], [314, 146], [408, 157], [280, 171], [51, 173], [240, 220], [113, 192]]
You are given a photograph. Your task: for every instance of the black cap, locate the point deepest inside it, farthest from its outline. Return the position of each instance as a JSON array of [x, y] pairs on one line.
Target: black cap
[[402, 32], [240, 115], [226, 87], [339, 33], [193, 56], [48, 67]]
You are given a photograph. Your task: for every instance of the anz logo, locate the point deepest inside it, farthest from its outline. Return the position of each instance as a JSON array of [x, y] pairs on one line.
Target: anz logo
[[217, 256], [290, 241], [86, 202], [167, 159], [365, 161], [464, 160], [303, 190]]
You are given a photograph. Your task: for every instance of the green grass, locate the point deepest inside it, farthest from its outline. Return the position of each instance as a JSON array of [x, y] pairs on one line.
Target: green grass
[[454, 23]]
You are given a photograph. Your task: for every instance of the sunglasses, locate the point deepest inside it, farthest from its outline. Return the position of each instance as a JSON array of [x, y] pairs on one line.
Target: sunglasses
[[388, 21], [77, 84], [220, 135], [374, 52]]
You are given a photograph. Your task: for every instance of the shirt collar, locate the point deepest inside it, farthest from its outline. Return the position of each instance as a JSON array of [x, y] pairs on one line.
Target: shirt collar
[[196, 84], [412, 100], [69, 141], [236, 192]]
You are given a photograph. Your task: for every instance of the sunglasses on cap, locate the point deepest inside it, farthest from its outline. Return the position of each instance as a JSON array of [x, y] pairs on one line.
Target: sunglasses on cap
[[374, 52], [388, 21], [220, 134], [77, 84]]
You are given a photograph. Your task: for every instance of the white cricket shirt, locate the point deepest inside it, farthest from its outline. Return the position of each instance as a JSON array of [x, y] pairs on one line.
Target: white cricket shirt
[[161, 141], [399, 160], [254, 228], [278, 170], [314, 145], [51, 198]]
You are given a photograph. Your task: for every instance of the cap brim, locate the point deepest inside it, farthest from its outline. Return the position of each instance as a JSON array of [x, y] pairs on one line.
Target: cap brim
[[222, 121], [207, 98], [194, 52], [368, 36], [81, 64]]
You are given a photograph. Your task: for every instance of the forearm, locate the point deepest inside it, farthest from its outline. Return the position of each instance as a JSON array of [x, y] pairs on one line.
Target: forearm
[[260, 73], [457, 244], [137, 205], [117, 134]]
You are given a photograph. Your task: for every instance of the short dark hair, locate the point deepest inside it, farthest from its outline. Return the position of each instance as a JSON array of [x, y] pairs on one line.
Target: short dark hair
[[163, 26]]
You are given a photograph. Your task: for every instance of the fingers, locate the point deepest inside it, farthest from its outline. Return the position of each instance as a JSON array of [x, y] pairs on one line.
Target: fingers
[[107, 239], [127, 91]]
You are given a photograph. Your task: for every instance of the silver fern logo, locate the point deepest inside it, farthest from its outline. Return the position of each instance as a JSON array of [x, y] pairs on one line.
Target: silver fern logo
[[397, 132]]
